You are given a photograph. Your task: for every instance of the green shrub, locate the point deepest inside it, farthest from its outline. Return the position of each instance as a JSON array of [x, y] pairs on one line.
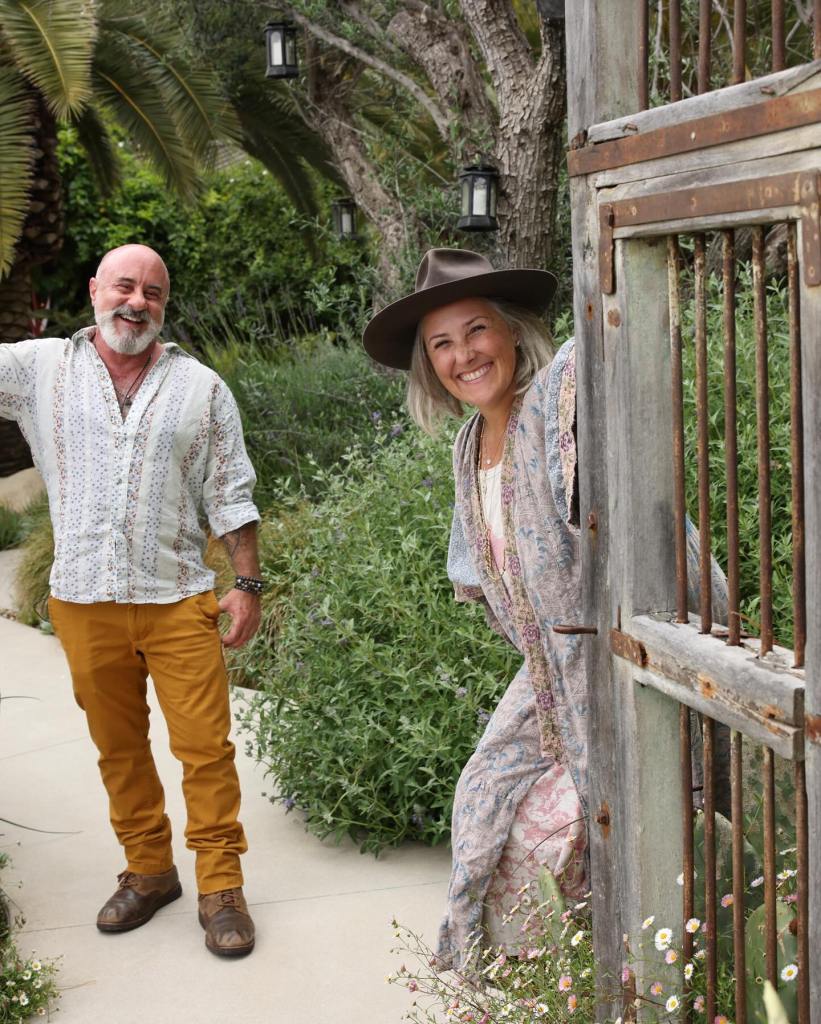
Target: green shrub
[[11, 528], [375, 684], [303, 408], [35, 566]]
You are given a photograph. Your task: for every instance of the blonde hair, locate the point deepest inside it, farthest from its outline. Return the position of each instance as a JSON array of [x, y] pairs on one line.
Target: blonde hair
[[430, 403]]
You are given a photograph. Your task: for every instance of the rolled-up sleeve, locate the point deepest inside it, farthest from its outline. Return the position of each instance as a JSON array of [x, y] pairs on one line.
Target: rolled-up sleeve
[[229, 476]]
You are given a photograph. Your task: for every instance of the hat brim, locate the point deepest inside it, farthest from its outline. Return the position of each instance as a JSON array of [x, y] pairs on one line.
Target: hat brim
[[389, 336]]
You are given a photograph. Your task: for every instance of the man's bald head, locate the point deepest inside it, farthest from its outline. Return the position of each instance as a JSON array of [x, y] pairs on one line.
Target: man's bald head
[[129, 293], [115, 260]]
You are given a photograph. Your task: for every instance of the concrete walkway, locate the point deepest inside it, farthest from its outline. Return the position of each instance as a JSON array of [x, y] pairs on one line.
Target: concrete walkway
[[322, 912]]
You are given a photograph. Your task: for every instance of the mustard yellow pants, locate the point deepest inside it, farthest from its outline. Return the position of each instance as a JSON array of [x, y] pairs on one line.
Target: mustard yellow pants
[[111, 649]]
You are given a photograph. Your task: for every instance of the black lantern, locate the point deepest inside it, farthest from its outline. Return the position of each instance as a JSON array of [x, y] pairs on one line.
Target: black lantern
[[280, 46], [344, 215], [479, 190]]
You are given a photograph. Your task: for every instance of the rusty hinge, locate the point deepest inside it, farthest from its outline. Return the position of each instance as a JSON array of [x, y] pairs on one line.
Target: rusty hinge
[[812, 728], [625, 646], [801, 189], [775, 115], [606, 222]]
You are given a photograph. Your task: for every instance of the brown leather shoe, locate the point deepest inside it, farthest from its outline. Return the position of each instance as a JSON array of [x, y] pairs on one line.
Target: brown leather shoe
[[229, 930], [137, 899]]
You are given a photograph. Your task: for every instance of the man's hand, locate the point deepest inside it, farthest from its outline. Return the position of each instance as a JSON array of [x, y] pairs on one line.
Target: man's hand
[[245, 613]]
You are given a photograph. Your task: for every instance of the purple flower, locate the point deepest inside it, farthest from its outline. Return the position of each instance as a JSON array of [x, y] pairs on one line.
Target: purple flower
[[545, 700], [376, 417], [482, 716], [327, 622], [461, 691], [531, 633], [507, 494], [397, 429], [289, 803], [514, 565]]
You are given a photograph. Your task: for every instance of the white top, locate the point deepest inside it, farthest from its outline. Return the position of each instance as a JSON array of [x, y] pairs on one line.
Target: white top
[[490, 488], [130, 499]]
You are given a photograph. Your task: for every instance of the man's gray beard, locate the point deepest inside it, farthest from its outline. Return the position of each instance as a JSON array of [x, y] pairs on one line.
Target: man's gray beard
[[129, 342]]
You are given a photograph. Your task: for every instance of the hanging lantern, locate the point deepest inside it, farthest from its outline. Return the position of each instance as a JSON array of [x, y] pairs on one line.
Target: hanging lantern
[[280, 46], [344, 216], [480, 186]]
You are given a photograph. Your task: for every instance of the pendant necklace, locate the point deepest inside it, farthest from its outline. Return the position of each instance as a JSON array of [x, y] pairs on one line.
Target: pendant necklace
[[125, 401]]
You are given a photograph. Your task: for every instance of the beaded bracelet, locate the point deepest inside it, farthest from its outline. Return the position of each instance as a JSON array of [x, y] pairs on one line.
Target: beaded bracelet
[[249, 584]]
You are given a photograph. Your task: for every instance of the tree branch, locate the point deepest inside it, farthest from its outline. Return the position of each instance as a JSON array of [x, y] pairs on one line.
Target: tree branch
[[501, 41], [439, 117], [440, 46]]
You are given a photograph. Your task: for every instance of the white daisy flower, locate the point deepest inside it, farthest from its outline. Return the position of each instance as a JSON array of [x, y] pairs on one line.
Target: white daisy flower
[[645, 924], [789, 972], [688, 971], [664, 936], [672, 1004], [692, 925], [577, 938], [756, 882]]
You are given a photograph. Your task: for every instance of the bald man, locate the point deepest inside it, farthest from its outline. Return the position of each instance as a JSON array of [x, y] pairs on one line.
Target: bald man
[[141, 449]]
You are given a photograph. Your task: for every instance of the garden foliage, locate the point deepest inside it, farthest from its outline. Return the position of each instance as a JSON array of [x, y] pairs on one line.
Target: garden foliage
[[240, 256], [375, 685]]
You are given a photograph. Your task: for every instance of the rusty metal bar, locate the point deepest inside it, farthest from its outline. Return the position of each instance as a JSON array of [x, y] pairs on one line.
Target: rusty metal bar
[[816, 34], [779, 50], [674, 15], [796, 452], [643, 53], [679, 500], [703, 439], [773, 115], [802, 889], [739, 41], [688, 839], [737, 813], [770, 922], [762, 406], [710, 895], [731, 438], [705, 15]]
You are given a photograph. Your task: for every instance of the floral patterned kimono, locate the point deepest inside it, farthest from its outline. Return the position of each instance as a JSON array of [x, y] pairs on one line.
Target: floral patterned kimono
[[531, 764], [520, 804]]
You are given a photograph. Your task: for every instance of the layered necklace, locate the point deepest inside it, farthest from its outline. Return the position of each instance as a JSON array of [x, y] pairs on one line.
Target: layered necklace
[[126, 399], [485, 461]]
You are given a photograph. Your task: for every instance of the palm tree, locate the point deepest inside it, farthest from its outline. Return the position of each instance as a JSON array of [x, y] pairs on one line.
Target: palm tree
[[92, 63]]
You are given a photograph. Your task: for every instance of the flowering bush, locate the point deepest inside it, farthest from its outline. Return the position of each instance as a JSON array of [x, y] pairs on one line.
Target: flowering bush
[[27, 986], [553, 975], [374, 685]]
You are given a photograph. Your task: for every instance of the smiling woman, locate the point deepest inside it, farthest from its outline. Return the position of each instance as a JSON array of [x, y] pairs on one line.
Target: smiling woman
[[471, 336]]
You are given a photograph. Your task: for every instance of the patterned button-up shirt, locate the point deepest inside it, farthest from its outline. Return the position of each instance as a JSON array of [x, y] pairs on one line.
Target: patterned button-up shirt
[[131, 500]]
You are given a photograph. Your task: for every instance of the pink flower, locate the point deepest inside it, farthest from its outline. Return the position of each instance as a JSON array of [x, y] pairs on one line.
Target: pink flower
[[412, 986], [565, 983], [656, 988], [698, 1004], [727, 900], [572, 1002], [670, 956]]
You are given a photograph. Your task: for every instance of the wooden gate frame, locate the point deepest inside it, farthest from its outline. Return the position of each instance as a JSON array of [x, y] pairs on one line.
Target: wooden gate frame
[[625, 445]]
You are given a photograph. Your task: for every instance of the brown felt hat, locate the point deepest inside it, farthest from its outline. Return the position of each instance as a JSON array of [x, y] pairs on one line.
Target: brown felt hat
[[447, 275]]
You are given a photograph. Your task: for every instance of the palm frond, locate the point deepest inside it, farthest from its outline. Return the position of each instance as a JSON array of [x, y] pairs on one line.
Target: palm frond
[[51, 42], [135, 101], [16, 160], [274, 133], [95, 139], [202, 114]]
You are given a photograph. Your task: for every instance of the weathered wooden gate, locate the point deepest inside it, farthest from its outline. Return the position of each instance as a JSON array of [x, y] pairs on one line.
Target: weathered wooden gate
[[643, 182]]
